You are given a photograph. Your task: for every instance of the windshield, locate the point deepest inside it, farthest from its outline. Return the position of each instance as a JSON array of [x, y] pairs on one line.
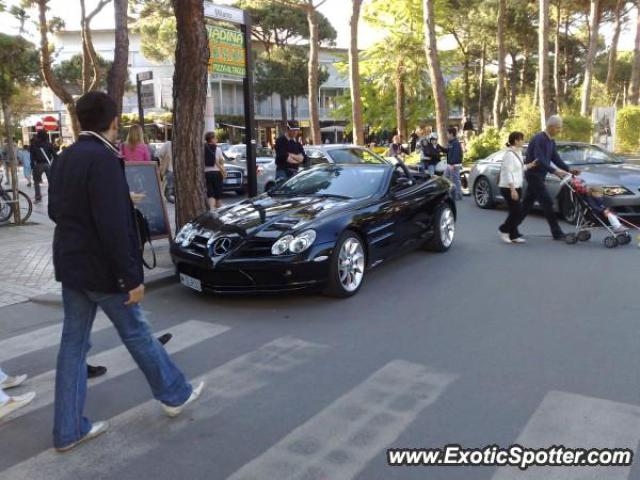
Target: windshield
[[345, 182], [355, 155], [585, 155]]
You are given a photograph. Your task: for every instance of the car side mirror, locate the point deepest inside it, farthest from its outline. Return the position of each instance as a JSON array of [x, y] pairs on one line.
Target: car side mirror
[[403, 182]]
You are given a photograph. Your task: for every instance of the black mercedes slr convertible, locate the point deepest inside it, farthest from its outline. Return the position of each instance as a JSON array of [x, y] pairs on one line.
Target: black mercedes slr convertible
[[322, 229]]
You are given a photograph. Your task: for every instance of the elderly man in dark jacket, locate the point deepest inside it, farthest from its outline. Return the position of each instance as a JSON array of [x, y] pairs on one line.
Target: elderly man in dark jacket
[[97, 258], [42, 155]]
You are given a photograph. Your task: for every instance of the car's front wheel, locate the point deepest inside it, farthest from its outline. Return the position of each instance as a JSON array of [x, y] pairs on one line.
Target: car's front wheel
[[444, 229], [483, 193], [348, 261]]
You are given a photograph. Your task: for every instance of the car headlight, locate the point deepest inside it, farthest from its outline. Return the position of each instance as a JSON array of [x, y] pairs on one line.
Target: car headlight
[[186, 234], [615, 190], [297, 244]]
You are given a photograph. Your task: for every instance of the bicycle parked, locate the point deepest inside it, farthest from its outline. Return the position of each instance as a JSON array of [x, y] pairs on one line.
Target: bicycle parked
[[8, 204]]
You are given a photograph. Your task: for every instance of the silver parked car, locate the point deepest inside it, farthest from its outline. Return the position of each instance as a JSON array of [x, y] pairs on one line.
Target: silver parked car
[[621, 181], [265, 166]]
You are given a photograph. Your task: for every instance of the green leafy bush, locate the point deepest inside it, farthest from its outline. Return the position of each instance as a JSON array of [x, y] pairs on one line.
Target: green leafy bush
[[576, 128], [628, 129], [483, 145], [526, 118]]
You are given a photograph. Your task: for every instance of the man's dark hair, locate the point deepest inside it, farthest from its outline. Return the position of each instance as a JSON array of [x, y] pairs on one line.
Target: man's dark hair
[[453, 131], [96, 111], [42, 136], [209, 136]]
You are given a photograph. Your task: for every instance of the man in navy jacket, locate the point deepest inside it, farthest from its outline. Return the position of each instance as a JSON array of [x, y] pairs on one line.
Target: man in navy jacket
[[97, 259], [542, 149]]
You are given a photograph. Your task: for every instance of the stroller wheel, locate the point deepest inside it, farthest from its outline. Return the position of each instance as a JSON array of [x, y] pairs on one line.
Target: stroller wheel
[[623, 239], [610, 242], [571, 238], [584, 235]]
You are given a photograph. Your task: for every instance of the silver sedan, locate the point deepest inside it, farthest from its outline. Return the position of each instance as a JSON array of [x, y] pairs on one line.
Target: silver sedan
[[621, 181]]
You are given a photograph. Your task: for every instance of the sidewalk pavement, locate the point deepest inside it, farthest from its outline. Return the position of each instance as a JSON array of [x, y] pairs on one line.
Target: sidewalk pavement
[[26, 264]]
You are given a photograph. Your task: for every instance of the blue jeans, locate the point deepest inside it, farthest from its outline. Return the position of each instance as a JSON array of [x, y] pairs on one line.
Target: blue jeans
[[453, 173], [167, 382]]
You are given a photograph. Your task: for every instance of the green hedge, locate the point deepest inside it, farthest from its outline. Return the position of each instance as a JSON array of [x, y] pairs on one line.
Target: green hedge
[[628, 130], [576, 128], [483, 145]]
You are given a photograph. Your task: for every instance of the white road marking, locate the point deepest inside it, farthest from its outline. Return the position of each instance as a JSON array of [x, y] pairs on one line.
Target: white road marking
[[338, 442], [135, 432], [118, 361], [577, 421], [42, 338]]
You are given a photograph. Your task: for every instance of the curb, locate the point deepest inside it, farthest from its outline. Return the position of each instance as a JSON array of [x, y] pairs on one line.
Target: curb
[[152, 282]]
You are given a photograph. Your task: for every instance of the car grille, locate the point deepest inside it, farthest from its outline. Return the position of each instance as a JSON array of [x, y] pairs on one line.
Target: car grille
[[257, 247]]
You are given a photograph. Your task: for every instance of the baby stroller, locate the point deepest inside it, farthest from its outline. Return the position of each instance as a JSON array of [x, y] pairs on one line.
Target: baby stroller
[[587, 219]]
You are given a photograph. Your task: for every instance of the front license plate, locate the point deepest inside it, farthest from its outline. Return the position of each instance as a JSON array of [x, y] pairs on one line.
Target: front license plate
[[233, 181], [191, 282]]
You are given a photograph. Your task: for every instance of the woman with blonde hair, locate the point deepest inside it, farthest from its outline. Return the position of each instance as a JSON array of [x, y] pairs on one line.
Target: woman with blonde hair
[[134, 149]]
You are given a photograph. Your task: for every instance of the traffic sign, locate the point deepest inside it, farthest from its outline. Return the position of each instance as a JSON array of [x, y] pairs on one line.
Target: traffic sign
[[147, 95], [144, 76], [227, 14], [50, 123]]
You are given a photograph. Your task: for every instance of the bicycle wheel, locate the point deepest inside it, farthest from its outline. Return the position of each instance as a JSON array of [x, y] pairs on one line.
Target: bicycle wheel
[[26, 206], [6, 209]]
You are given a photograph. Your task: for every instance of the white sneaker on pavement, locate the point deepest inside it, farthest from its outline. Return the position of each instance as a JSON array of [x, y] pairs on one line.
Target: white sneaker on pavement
[[519, 240], [97, 428], [15, 403], [505, 237], [11, 382], [174, 411]]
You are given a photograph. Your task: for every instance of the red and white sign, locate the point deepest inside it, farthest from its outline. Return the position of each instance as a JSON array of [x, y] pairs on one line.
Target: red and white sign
[[50, 123]]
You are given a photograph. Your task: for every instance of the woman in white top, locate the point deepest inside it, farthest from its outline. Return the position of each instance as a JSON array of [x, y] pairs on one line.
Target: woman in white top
[[510, 184], [214, 172]]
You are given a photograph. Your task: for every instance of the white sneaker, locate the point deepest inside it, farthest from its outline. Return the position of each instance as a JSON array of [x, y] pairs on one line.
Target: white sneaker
[[505, 237], [11, 382], [16, 402], [519, 240], [174, 411], [97, 428]]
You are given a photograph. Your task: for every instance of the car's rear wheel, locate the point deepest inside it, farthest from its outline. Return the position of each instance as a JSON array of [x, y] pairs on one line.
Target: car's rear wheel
[[483, 193], [444, 229], [346, 271]]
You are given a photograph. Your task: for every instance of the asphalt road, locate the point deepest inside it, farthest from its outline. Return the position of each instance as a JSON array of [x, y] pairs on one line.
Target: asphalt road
[[486, 344]]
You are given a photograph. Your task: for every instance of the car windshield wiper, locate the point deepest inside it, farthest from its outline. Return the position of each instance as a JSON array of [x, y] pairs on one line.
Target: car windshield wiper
[[332, 195]]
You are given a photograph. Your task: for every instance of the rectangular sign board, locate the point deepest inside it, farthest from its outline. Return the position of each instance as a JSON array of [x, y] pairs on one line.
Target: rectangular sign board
[[226, 47], [220, 12], [144, 76], [147, 95]]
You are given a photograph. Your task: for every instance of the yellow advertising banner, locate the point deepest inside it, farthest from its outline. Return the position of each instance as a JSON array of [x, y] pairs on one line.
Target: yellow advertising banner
[[226, 51]]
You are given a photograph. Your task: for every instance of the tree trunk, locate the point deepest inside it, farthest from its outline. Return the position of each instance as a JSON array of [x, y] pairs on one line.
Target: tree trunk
[[483, 59], [634, 87], [523, 71], [556, 60], [514, 83], [465, 85], [354, 75], [47, 72], [189, 97], [86, 74], [283, 112], [500, 81], [292, 101], [11, 154], [613, 51], [543, 66], [565, 80], [435, 72], [117, 78], [401, 121], [314, 40], [594, 20]]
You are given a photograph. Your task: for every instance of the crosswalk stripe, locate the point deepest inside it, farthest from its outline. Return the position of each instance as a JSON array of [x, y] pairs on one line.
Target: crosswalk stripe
[[118, 361], [339, 441], [41, 338], [138, 430], [577, 421]]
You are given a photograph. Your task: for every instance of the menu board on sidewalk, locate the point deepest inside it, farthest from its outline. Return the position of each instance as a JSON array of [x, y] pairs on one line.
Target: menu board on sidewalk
[[144, 183]]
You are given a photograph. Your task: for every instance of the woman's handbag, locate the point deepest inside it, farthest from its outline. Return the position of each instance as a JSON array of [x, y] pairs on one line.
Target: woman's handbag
[[144, 237]]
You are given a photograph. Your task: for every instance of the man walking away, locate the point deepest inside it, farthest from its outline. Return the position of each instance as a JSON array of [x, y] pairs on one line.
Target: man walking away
[[542, 150], [454, 160], [97, 259], [289, 153], [42, 155]]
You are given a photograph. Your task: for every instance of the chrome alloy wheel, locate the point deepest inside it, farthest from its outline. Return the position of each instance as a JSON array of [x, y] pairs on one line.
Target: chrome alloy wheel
[[351, 264], [482, 192], [447, 227]]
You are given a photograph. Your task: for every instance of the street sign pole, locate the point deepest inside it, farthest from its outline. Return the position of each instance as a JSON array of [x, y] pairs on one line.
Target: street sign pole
[[249, 114], [140, 108]]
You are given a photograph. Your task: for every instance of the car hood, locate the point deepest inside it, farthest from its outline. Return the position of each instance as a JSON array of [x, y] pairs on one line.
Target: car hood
[[611, 174], [270, 217]]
